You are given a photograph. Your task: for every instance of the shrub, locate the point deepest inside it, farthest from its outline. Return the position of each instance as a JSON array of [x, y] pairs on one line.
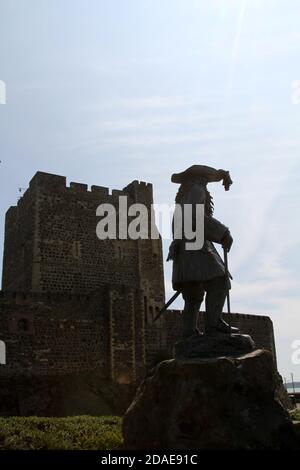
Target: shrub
[[72, 433]]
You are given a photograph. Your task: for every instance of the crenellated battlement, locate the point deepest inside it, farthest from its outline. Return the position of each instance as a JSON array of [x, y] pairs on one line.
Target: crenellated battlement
[[51, 182], [48, 180], [140, 191], [138, 185]]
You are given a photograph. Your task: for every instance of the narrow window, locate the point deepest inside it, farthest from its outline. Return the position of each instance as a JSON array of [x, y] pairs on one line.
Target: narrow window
[[23, 325], [146, 310], [2, 353], [76, 250], [151, 313]]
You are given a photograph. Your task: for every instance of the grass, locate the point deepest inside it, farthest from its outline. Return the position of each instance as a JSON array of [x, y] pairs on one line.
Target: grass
[[295, 415], [72, 433]]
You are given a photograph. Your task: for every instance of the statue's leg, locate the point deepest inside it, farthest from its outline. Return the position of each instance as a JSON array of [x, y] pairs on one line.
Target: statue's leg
[[216, 292], [193, 294]]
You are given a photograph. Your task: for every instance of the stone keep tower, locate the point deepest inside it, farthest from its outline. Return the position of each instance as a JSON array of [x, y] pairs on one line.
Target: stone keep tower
[[51, 243], [52, 256]]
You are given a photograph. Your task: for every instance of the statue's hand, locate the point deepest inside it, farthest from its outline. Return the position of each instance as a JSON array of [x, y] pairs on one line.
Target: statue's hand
[[227, 241], [225, 176]]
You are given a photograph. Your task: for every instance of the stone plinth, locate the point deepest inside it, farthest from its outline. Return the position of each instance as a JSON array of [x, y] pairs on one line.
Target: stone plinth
[[221, 403], [217, 345]]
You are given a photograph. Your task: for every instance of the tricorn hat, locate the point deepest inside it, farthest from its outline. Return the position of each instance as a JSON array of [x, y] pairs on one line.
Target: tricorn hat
[[207, 173]]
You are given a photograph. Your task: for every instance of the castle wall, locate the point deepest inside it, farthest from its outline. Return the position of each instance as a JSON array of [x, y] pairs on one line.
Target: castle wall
[[150, 259], [126, 333], [55, 333], [59, 334], [19, 245]]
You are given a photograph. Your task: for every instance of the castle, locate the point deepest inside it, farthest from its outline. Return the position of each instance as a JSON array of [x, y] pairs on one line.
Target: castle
[[72, 303]]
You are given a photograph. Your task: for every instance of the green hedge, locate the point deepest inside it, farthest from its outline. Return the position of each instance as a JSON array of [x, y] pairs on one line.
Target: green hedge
[[295, 415], [78, 432]]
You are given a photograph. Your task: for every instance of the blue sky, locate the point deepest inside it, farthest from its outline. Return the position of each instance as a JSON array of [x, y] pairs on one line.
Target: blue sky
[[108, 91]]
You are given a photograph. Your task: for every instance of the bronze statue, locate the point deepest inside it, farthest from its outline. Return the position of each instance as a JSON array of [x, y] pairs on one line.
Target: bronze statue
[[196, 272]]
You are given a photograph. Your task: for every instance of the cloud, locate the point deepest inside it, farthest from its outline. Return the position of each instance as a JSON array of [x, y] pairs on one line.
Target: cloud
[[156, 140], [151, 102]]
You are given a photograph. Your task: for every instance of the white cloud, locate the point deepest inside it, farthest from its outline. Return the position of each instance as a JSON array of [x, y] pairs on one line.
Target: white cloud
[[151, 102]]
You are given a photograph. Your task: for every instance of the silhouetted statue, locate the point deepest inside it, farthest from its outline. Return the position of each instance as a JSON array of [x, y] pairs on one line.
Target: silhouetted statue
[[196, 272]]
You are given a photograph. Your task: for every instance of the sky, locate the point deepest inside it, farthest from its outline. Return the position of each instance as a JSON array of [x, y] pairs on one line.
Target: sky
[[109, 91]]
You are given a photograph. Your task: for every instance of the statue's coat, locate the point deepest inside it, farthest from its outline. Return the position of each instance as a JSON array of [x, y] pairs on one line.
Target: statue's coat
[[198, 265]]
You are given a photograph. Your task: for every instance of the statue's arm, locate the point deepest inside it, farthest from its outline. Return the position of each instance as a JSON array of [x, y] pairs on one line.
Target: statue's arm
[[214, 230]]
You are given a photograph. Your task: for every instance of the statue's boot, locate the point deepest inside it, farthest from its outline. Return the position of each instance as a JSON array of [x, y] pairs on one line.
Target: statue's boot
[[223, 327], [214, 304]]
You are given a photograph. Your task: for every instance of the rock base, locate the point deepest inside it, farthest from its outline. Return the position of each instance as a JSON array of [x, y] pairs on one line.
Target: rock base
[[218, 345], [222, 403]]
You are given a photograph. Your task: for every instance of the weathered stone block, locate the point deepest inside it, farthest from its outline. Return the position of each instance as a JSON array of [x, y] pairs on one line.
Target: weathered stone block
[[222, 403]]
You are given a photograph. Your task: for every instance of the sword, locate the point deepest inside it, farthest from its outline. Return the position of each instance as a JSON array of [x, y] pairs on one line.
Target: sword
[[228, 293], [166, 305]]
